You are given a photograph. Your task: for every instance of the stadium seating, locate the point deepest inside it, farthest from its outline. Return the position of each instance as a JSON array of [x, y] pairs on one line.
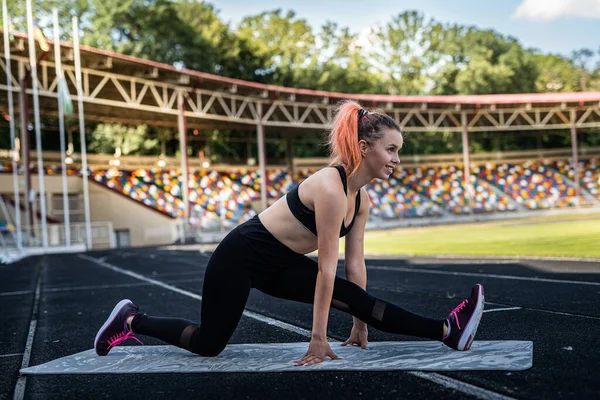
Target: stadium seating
[[225, 197], [535, 185], [387, 198], [443, 185], [219, 197], [143, 185], [589, 171]]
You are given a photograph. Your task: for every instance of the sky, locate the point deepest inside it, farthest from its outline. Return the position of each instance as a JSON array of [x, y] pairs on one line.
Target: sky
[[552, 26]]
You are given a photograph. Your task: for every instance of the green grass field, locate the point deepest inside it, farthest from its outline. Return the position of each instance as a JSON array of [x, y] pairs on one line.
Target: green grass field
[[564, 235]]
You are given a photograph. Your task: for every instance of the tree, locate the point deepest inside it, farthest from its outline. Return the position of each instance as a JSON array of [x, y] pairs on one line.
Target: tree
[[121, 139], [213, 47], [403, 51], [595, 75], [42, 13], [285, 42], [338, 64], [164, 135], [581, 58], [555, 74], [485, 62]]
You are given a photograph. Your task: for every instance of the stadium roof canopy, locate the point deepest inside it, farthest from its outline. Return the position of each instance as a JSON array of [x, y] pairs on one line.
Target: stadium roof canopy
[[130, 90]]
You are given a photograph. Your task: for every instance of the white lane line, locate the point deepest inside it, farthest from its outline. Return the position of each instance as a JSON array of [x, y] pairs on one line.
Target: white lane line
[[176, 274], [525, 308], [113, 286], [478, 259], [17, 293], [22, 380], [93, 287], [561, 313], [418, 260], [495, 276], [502, 309], [11, 355], [280, 324], [250, 314], [442, 380], [460, 386]]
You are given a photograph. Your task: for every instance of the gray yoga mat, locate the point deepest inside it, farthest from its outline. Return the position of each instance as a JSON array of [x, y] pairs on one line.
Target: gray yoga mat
[[272, 357]]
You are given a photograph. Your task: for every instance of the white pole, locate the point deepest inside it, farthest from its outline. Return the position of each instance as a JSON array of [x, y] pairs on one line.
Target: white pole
[[467, 187], [36, 115], [185, 190], [575, 153], [61, 127], [260, 133], [222, 210], [11, 115], [25, 156], [84, 167], [35, 228]]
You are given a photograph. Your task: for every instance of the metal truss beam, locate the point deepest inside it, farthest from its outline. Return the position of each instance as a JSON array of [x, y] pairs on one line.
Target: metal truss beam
[[106, 90]]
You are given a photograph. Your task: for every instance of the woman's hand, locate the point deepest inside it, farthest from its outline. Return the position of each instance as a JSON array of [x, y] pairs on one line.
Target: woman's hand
[[358, 337], [318, 350]]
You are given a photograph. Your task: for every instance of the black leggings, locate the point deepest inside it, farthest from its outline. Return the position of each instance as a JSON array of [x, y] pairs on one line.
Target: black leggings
[[250, 257]]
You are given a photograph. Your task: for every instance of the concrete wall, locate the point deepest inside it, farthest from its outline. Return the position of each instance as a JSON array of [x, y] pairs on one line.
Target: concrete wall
[[145, 225], [53, 188]]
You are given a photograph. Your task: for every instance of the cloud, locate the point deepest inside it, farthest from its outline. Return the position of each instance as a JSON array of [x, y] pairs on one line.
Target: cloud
[[548, 10]]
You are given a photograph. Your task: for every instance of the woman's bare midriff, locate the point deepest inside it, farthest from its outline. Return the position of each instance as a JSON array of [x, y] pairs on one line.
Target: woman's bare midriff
[[279, 220]]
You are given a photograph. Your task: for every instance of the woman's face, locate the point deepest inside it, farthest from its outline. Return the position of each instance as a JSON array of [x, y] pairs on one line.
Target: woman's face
[[382, 158]]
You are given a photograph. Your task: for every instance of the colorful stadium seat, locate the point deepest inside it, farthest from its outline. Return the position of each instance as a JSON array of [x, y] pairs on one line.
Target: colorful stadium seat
[[225, 197], [589, 174], [534, 185]]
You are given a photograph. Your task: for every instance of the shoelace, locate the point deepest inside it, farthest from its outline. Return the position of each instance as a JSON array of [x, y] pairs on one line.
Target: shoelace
[[457, 309], [120, 337]]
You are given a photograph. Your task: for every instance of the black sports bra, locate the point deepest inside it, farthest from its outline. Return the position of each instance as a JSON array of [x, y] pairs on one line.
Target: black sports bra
[[306, 216]]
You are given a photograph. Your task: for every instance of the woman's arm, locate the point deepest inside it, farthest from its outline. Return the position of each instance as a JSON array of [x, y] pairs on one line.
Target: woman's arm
[[354, 260], [330, 210]]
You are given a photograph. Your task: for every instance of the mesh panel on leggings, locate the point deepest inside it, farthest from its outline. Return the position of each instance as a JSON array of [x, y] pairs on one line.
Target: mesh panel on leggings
[[378, 310], [186, 337]]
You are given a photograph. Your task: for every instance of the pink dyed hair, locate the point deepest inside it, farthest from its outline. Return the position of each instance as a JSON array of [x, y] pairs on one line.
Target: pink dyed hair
[[348, 129]]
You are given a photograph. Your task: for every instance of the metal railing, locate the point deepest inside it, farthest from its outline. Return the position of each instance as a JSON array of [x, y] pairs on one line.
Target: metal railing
[[102, 238]]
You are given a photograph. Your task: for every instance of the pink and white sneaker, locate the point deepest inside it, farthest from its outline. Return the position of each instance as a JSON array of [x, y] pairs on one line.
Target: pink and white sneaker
[[114, 330], [464, 320]]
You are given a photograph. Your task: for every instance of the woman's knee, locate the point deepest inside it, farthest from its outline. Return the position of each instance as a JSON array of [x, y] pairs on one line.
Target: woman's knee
[[209, 351], [205, 347]]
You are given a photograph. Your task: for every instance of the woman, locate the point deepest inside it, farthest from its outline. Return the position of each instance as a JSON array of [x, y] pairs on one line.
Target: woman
[[268, 253]]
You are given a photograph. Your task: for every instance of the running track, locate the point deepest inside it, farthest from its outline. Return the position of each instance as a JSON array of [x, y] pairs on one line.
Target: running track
[[53, 305]]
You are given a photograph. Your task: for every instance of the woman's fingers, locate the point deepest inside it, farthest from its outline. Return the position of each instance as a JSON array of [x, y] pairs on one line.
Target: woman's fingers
[[305, 358], [299, 362], [308, 360]]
